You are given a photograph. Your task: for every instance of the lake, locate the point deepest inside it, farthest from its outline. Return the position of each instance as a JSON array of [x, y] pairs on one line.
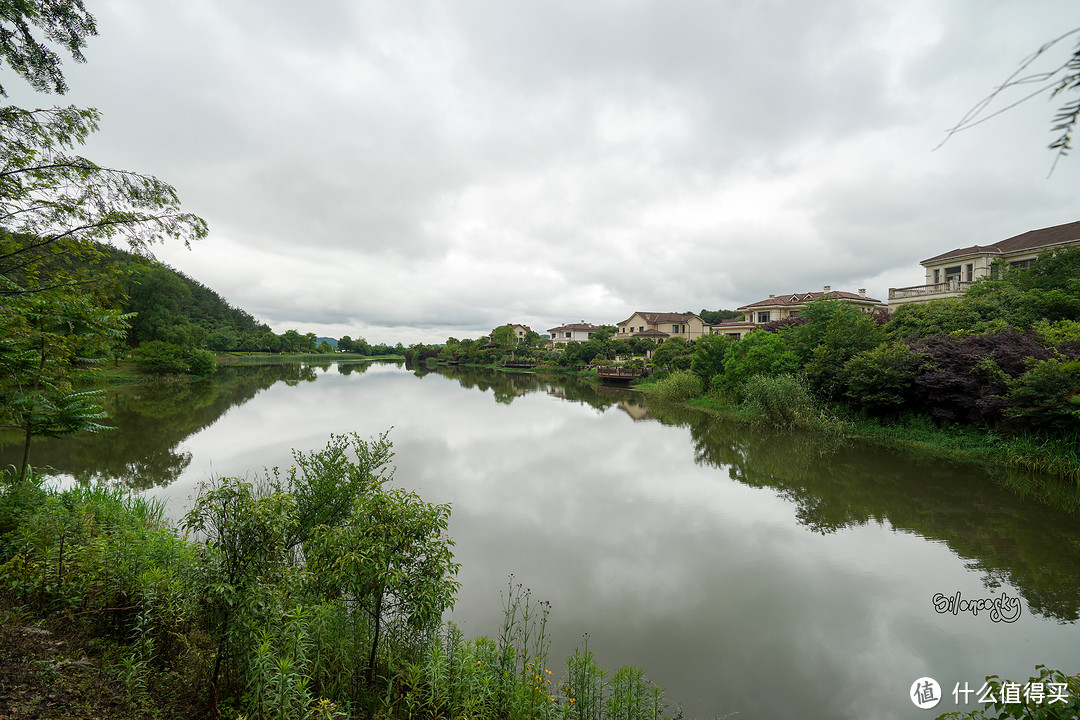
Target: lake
[[776, 575]]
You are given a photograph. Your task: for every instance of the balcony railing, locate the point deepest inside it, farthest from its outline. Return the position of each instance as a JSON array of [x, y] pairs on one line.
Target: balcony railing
[[949, 287]]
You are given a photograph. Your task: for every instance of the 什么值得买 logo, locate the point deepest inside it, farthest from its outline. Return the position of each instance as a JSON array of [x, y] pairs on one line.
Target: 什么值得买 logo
[[1000, 609]]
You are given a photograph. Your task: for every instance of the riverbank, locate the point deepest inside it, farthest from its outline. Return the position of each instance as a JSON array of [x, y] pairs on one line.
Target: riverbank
[[1043, 468], [109, 595], [552, 371]]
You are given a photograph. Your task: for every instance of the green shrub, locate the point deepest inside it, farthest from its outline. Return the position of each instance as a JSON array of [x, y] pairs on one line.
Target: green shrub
[[160, 358], [782, 400], [759, 353], [880, 379], [676, 387], [201, 362], [708, 358], [1048, 396]]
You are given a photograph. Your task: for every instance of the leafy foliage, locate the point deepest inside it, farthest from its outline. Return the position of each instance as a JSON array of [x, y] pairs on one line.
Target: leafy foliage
[[709, 354], [55, 202], [881, 379], [1047, 396], [49, 342], [66, 23], [782, 400], [759, 353]]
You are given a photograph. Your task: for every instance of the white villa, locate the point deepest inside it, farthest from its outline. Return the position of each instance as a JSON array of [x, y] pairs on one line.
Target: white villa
[[572, 332], [951, 273]]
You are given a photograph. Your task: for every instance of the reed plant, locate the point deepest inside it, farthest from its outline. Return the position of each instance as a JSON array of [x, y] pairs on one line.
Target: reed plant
[[679, 386]]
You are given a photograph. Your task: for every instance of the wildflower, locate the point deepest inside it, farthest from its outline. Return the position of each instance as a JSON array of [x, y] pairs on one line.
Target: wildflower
[[571, 699]]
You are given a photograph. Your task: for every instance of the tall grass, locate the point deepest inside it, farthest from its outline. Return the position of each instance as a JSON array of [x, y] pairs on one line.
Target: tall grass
[[679, 386], [108, 557]]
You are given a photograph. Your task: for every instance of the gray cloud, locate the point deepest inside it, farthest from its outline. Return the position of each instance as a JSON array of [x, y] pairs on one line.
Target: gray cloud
[[412, 170]]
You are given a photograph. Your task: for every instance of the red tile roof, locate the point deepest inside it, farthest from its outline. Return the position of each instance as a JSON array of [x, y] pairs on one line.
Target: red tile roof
[[803, 298], [1069, 232], [574, 326], [660, 317]]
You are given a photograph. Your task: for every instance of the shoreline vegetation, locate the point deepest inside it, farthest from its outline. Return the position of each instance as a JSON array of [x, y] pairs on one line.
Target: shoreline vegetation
[[1055, 459], [315, 593]]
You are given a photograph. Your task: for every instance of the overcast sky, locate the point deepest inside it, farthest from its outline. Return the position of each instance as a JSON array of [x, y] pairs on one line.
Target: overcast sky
[[409, 170]]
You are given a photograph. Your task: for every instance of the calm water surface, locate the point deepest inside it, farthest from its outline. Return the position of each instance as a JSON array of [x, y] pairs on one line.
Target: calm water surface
[[769, 574]]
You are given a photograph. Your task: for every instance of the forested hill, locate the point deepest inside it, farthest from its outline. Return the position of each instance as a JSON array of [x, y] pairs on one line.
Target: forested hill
[[171, 307]]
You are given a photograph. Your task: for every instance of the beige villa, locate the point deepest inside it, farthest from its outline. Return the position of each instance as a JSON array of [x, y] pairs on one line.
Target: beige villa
[[661, 326], [951, 274], [782, 307]]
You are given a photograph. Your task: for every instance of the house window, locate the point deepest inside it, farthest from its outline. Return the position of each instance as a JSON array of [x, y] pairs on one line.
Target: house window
[[970, 272], [674, 328], [1021, 264], [937, 276], [567, 334], [793, 313], [763, 317], [952, 273], [733, 335]]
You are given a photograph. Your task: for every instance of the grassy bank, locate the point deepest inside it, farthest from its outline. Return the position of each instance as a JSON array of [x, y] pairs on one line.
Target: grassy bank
[[96, 590], [1049, 465]]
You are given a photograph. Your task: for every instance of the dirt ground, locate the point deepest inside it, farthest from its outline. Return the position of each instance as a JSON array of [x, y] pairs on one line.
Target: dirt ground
[[50, 670]]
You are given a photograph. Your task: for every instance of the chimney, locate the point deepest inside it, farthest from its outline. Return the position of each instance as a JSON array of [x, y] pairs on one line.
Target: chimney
[[862, 291], [828, 288], [771, 296]]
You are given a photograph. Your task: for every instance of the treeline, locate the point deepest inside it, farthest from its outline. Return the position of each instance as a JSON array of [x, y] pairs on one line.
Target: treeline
[[174, 319], [1005, 357], [503, 346]]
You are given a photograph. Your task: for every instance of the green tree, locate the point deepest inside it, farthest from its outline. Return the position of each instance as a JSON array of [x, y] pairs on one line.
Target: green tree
[[65, 23], [604, 332], [709, 353], [759, 353], [49, 342], [847, 332], [392, 555], [54, 203], [880, 379], [1048, 396], [245, 536], [503, 336], [158, 357], [713, 317], [670, 349]]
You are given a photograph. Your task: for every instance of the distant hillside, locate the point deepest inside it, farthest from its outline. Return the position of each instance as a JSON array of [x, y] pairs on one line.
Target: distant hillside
[[174, 308], [329, 340]]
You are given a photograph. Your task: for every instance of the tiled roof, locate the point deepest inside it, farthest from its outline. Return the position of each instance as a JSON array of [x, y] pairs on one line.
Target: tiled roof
[[574, 326], [651, 333], [803, 298], [1069, 232], [660, 317]]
